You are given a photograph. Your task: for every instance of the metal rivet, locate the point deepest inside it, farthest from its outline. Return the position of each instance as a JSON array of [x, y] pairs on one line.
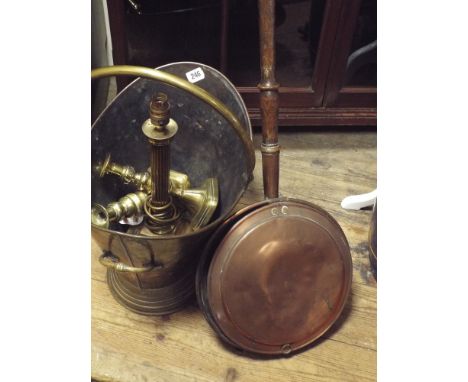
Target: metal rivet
[[286, 349]]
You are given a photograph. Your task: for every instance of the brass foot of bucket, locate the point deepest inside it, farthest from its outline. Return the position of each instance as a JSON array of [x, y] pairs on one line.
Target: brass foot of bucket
[[151, 302]]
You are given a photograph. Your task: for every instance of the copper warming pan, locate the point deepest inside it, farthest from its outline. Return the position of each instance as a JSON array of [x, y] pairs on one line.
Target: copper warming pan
[[276, 275]]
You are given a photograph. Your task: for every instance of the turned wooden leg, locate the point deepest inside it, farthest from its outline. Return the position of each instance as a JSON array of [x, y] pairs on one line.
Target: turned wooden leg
[[268, 99]]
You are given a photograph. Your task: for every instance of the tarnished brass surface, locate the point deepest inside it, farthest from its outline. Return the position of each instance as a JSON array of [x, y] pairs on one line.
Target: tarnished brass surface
[[151, 301], [139, 71], [142, 180], [129, 206], [279, 278], [201, 203], [168, 285], [110, 261], [162, 216], [173, 258], [161, 213]]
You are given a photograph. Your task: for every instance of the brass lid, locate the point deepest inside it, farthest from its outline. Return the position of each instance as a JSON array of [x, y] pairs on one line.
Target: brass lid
[[279, 278]]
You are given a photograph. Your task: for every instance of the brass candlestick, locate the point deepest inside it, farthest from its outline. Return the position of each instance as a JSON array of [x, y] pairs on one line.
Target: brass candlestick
[[178, 180], [194, 207], [129, 206]]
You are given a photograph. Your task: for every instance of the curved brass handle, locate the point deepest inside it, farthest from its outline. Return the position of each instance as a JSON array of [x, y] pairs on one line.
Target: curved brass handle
[[111, 261], [141, 71]]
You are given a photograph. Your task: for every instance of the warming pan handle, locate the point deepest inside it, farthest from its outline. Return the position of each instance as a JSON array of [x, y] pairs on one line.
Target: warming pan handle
[[154, 74], [269, 102]]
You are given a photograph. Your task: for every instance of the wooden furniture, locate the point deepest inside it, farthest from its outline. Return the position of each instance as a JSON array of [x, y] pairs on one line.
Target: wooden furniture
[[315, 40], [182, 347]]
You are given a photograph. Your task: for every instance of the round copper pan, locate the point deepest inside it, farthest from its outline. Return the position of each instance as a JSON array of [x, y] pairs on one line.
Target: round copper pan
[[204, 264], [275, 276]]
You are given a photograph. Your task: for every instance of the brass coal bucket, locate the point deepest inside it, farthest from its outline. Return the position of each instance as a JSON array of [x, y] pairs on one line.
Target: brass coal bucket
[[154, 275]]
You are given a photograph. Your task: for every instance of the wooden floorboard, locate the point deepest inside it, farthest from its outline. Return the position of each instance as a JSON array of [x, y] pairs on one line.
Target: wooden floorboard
[[320, 167]]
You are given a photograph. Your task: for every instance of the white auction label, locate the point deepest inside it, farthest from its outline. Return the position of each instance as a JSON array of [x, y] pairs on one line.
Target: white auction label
[[195, 75]]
